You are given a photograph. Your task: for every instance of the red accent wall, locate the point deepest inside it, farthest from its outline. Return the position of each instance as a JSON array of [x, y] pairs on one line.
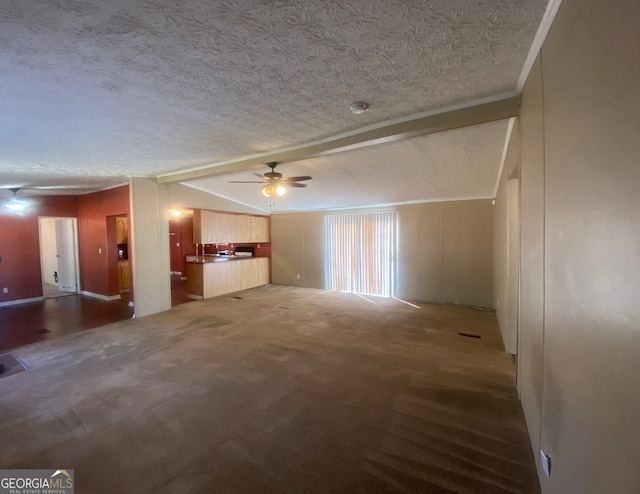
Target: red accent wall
[[175, 245], [183, 234], [97, 268], [20, 245]]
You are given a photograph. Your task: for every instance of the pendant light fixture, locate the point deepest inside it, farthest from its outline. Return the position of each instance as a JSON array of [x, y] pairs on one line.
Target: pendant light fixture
[[14, 204]]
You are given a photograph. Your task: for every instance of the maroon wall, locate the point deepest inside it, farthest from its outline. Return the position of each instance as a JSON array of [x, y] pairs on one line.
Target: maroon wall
[[182, 229], [20, 245], [97, 268], [175, 245]]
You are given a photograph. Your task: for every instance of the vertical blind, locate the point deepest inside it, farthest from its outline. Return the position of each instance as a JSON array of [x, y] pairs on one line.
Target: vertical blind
[[360, 253]]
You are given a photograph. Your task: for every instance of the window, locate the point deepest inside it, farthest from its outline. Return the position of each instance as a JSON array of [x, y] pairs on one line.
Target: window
[[360, 253]]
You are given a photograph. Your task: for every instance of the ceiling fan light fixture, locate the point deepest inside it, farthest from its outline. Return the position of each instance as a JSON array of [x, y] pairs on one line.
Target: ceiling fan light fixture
[[359, 107], [281, 190], [268, 190], [15, 205]]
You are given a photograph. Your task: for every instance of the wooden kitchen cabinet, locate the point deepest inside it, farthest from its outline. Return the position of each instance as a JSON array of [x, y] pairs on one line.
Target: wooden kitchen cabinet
[[123, 275], [212, 227], [211, 279], [204, 227]]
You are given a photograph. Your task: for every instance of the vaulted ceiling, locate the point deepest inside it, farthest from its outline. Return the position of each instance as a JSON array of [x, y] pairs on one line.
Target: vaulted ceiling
[[94, 92]]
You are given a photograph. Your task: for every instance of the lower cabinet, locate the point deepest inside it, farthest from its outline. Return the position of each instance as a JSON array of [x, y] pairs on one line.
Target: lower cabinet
[[211, 279], [123, 275]]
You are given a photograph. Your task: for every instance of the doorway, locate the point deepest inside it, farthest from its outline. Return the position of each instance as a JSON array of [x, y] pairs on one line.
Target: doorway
[[59, 256]]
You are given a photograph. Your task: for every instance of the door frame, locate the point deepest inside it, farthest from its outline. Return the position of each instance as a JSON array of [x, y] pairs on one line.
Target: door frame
[[74, 222]]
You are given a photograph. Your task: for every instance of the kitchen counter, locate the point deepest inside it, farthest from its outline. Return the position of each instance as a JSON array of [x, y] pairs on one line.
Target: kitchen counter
[[210, 276], [216, 258]]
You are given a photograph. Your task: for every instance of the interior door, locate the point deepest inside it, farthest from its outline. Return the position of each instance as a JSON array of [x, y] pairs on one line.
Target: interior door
[[65, 253]]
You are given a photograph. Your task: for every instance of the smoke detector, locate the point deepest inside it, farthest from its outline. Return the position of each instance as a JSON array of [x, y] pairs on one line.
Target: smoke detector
[[359, 107]]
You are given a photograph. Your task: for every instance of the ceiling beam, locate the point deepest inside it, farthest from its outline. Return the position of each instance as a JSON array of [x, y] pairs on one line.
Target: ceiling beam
[[430, 124]]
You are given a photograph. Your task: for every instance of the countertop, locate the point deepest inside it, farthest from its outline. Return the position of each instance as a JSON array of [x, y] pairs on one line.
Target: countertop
[[216, 258]]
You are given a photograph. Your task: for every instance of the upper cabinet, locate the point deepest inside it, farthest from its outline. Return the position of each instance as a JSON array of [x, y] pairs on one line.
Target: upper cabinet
[[212, 227]]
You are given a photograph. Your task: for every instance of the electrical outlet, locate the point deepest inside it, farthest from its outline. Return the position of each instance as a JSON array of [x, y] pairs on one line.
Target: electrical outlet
[[99, 251], [545, 461], [5, 290], [298, 276]]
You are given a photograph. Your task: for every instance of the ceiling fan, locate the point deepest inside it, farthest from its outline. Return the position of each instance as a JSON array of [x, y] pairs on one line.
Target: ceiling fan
[[275, 183]]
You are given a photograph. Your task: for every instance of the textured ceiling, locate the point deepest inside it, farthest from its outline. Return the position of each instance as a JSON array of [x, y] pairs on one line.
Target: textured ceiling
[[95, 91], [457, 164]]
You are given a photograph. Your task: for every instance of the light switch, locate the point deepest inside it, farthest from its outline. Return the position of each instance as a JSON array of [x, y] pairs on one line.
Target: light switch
[[99, 251]]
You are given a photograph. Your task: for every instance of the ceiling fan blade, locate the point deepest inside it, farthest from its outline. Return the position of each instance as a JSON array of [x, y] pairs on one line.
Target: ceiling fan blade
[[246, 182], [295, 184], [260, 176], [297, 179]]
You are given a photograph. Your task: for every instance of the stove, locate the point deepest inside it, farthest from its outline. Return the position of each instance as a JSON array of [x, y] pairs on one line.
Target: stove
[[244, 251]]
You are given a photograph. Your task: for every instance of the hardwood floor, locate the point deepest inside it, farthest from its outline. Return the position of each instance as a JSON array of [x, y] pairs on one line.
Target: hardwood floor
[[59, 316], [275, 390]]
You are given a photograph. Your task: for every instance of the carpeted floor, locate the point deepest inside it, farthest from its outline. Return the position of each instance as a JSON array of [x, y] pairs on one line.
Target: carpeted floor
[[285, 390]]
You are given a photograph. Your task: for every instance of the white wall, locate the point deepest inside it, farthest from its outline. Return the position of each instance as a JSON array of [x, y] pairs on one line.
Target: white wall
[[579, 362]]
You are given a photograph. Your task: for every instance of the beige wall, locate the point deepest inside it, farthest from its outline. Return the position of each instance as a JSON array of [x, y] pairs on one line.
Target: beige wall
[[531, 323], [181, 196], [445, 251], [467, 253], [505, 245], [297, 248], [149, 241], [579, 365]]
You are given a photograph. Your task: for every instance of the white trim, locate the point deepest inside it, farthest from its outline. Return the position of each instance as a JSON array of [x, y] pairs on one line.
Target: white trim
[[505, 149], [175, 272], [99, 296], [386, 205], [21, 301], [538, 40], [195, 297]]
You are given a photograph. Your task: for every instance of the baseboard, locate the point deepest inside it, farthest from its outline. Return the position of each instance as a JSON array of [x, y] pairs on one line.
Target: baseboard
[[125, 290], [195, 297], [176, 272], [99, 296], [21, 301]]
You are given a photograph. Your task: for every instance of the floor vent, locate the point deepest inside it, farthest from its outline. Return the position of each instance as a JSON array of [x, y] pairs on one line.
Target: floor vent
[[10, 365], [469, 335], [43, 331]]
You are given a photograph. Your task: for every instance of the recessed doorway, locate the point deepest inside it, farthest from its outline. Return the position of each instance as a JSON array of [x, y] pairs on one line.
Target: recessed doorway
[[59, 256]]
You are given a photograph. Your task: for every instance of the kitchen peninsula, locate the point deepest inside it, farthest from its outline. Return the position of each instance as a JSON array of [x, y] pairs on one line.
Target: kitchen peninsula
[[246, 264]]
